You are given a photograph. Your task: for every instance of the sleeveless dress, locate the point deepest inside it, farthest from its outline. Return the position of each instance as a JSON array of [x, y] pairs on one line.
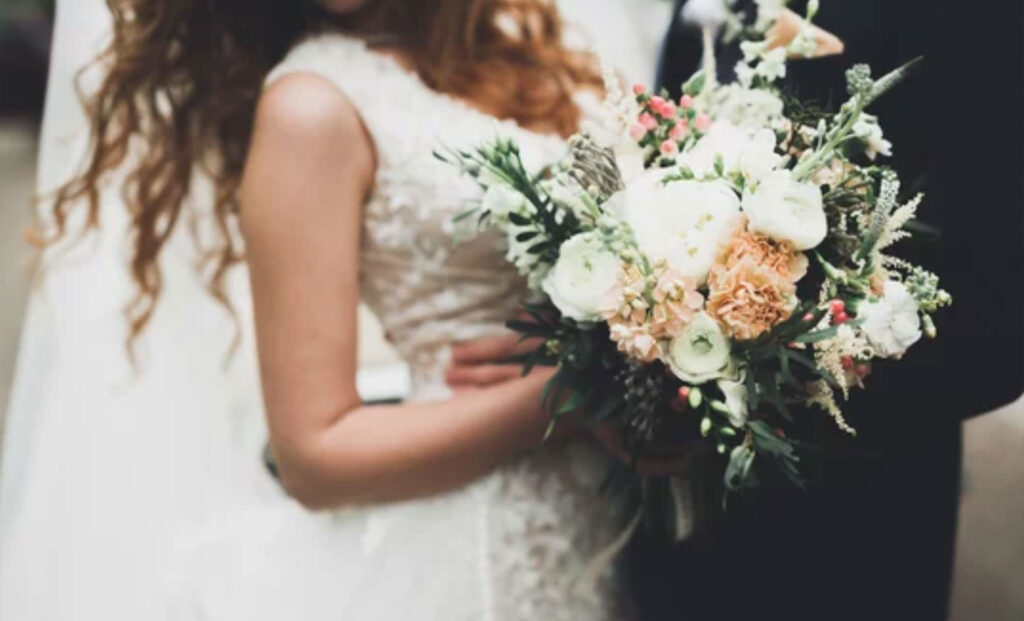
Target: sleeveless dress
[[510, 546]]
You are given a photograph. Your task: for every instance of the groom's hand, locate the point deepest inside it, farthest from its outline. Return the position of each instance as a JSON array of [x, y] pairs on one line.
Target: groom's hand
[[485, 362]]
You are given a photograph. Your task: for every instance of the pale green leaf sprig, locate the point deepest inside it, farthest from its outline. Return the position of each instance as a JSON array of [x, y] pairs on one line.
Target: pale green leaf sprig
[[863, 91]]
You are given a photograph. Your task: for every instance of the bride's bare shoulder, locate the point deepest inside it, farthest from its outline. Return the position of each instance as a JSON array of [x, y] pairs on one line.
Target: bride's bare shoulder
[[303, 115], [308, 108]]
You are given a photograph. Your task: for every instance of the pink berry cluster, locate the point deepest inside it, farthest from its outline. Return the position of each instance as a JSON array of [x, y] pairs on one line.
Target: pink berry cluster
[[665, 125]]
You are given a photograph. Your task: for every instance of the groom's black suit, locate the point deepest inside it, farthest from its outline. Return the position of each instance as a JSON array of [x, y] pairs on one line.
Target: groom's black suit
[[874, 540]]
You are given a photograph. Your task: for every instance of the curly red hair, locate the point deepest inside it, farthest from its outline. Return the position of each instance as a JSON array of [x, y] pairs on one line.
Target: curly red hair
[[182, 80]]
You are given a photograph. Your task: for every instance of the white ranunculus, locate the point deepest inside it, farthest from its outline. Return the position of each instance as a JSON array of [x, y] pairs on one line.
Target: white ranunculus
[[787, 210], [736, 400], [682, 223], [700, 353], [582, 282], [892, 323], [751, 154], [869, 132], [501, 200]]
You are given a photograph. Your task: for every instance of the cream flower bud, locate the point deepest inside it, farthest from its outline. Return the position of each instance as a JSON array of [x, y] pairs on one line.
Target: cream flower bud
[[700, 353]]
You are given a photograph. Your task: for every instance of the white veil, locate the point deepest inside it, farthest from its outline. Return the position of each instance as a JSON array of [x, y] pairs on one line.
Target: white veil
[[102, 463]]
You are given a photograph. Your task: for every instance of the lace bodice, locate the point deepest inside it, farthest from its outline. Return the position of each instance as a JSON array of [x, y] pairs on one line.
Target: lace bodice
[[426, 292], [514, 542]]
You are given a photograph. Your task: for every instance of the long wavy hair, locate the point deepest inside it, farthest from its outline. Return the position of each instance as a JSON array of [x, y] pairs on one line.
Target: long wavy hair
[[182, 79]]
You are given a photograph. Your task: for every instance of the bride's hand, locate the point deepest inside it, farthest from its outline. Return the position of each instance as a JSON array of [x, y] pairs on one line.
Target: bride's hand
[[485, 362]]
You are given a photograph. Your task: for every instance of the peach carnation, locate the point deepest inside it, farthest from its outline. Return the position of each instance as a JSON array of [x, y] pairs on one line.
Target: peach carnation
[[753, 283], [777, 256]]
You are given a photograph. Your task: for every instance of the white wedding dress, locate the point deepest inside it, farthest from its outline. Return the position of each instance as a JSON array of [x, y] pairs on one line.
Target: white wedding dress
[[126, 494], [515, 544]]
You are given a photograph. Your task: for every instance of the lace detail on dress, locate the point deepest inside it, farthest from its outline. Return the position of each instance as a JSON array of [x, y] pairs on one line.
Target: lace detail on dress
[[548, 521], [532, 525]]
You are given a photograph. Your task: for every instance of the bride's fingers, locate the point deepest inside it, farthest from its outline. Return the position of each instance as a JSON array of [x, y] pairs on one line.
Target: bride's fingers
[[492, 349], [481, 374]]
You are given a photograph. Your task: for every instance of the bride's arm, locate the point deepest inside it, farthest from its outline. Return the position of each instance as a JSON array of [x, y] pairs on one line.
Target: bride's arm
[[310, 166]]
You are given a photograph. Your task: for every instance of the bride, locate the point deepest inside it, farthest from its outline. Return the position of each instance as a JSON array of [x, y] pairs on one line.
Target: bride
[[338, 197]]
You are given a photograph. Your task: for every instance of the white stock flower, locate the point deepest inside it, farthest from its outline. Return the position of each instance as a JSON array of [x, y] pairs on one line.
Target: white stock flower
[[869, 132], [566, 193], [892, 323], [518, 254], [751, 154], [682, 223], [751, 108], [501, 200], [787, 210], [767, 12], [582, 282], [772, 66], [736, 400], [701, 353]]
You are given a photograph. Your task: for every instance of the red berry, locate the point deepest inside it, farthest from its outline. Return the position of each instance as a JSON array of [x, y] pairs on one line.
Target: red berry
[[838, 306], [863, 370], [840, 317], [847, 362], [809, 317], [781, 433], [684, 392]]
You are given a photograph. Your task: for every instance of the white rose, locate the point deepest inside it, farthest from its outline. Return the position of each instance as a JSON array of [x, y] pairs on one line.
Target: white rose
[[701, 352], [892, 323], [787, 210], [751, 154], [682, 223], [868, 131], [736, 400], [583, 279], [501, 200]]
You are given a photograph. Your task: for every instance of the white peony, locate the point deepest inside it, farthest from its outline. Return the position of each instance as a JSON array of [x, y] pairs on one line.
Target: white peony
[[869, 132], [736, 400], [501, 200], [701, 353], [584, 278], [750, 154], [787, 210], [892, 323], [682, 223]]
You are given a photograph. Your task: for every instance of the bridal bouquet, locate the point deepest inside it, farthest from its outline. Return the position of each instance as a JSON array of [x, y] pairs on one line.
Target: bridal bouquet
[[715, 267]]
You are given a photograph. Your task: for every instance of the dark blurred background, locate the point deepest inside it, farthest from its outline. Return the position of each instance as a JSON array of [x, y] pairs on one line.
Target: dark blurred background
[[989, 581], [25, 30]]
